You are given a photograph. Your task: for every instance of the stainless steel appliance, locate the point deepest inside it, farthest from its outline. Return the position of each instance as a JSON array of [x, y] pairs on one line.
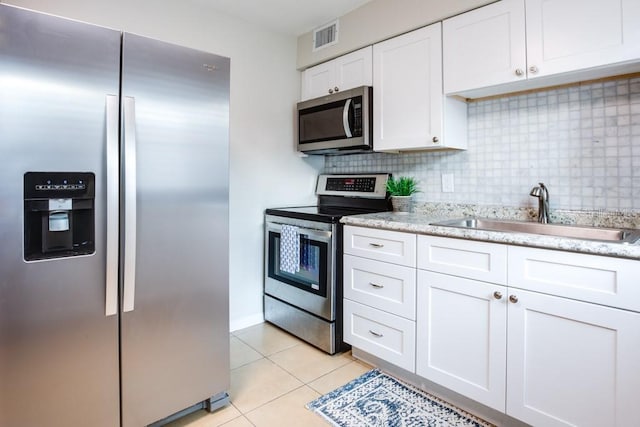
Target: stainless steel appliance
[[113, 223], [304, 297], [340, 123]]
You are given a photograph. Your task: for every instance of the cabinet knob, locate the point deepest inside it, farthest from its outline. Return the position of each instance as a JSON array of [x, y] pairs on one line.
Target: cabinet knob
[[435, 140], [533, 69], [330, 91], [519, 72], [336, 89], [497, 295], [513, 298]]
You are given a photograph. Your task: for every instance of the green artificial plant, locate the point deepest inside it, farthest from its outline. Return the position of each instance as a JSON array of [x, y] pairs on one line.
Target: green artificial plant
[[402, 186]]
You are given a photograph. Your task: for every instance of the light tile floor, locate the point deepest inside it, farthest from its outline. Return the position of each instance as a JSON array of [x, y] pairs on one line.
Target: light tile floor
[[273, 376]]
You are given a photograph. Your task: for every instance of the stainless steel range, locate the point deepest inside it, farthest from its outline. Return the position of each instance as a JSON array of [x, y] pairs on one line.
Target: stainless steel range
[[303, 257]]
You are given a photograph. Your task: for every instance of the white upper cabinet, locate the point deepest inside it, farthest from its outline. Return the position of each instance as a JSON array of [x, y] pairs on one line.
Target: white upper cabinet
[[495, 49], [345, 72], [484, 47], [568, 35], [408, 102]]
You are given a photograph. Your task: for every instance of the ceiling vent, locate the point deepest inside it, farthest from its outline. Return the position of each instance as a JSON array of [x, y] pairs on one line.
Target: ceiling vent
[[326, 35]]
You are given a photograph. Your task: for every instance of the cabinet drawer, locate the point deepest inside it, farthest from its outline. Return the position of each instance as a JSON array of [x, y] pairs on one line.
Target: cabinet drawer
[[384, 335], [475, 260], [382, 245], [381, 285], [592, 278]]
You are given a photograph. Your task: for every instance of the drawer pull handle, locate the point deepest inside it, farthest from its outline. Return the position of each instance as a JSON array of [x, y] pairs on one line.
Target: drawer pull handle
[[375, 285], [376, 245], [375, 334]]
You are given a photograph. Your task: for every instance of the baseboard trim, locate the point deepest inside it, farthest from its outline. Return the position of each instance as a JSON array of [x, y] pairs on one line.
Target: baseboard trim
[[245, 322]]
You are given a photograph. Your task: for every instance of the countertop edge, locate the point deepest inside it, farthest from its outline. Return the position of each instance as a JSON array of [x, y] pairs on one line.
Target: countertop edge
[[421, 224]]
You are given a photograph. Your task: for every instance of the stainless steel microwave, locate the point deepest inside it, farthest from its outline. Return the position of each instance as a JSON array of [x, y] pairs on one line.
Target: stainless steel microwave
[[339, 123]]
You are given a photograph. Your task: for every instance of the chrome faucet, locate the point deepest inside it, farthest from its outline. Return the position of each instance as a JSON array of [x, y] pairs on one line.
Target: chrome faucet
[[542, 194]]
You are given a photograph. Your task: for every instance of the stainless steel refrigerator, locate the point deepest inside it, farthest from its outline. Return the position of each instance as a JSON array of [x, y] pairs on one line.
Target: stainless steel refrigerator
[[113, 225]]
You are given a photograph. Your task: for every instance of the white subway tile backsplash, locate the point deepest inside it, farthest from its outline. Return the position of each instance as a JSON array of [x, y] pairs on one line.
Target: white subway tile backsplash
[[582, 141]]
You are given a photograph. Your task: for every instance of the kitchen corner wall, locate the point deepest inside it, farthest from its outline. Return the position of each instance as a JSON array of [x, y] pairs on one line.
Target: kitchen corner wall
[[582, 141]]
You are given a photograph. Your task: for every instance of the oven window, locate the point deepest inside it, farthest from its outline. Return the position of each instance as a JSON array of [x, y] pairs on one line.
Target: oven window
[[312, 274]]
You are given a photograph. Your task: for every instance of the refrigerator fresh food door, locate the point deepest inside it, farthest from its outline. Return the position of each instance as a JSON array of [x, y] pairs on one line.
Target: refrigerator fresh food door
[[58, 348], [175, 318]]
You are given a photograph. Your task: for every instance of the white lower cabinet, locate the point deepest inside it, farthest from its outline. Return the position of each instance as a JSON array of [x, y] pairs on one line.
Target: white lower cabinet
[[461, 331], [551, 338], [571, 363]]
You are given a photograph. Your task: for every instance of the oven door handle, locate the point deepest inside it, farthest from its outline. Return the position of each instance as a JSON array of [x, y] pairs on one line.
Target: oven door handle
[[321, 235]]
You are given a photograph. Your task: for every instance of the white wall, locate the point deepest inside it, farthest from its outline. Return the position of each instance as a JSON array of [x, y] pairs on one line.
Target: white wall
[[265, 170], [379, 20]]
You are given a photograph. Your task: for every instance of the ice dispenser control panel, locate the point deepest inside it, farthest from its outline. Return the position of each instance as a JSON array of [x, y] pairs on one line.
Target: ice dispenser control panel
[[59, 214]]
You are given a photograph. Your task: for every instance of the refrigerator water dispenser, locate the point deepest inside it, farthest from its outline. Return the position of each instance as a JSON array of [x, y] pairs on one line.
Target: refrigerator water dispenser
[[58, 214]]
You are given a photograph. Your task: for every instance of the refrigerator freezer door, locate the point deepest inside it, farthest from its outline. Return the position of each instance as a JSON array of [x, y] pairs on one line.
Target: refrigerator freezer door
[[58, 350], [175, 341]]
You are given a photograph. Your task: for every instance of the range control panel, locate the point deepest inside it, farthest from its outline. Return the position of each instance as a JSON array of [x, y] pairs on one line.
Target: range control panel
[[366, 184], [363, 185]]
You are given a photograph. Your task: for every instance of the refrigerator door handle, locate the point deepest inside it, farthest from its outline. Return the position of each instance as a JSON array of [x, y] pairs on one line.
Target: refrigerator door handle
[[129, 204], [113, 196]]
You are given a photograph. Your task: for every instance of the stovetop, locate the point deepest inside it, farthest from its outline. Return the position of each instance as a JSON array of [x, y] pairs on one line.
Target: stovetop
[[328, 214]]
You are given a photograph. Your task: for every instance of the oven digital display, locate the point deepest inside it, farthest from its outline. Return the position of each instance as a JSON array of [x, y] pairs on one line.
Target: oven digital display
[[354, 184]]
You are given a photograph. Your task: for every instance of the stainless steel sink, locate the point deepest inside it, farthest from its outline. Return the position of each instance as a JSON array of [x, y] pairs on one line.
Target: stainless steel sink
[[612, 235]]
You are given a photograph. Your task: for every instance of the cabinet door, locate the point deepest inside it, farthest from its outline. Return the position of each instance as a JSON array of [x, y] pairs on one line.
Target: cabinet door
[[407, 91], [572, 363], [461, 336], [354, 69], [484, 47], [568, 35], [317, 80], [345, 72]]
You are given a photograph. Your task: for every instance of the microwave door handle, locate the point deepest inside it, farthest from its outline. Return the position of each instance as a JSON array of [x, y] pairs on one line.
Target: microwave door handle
[[345, 118]]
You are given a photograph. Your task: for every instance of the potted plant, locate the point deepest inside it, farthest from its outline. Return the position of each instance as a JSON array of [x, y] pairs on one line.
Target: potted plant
[[401, 190]]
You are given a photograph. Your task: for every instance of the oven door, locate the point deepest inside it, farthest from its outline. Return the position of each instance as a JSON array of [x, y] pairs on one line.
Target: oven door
[[312, 287]]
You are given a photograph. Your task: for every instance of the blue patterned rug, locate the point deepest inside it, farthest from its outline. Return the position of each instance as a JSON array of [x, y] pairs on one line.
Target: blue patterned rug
[[376, 399]]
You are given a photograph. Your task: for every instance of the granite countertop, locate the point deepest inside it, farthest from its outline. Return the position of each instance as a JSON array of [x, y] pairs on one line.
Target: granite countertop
[[419, 223]]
